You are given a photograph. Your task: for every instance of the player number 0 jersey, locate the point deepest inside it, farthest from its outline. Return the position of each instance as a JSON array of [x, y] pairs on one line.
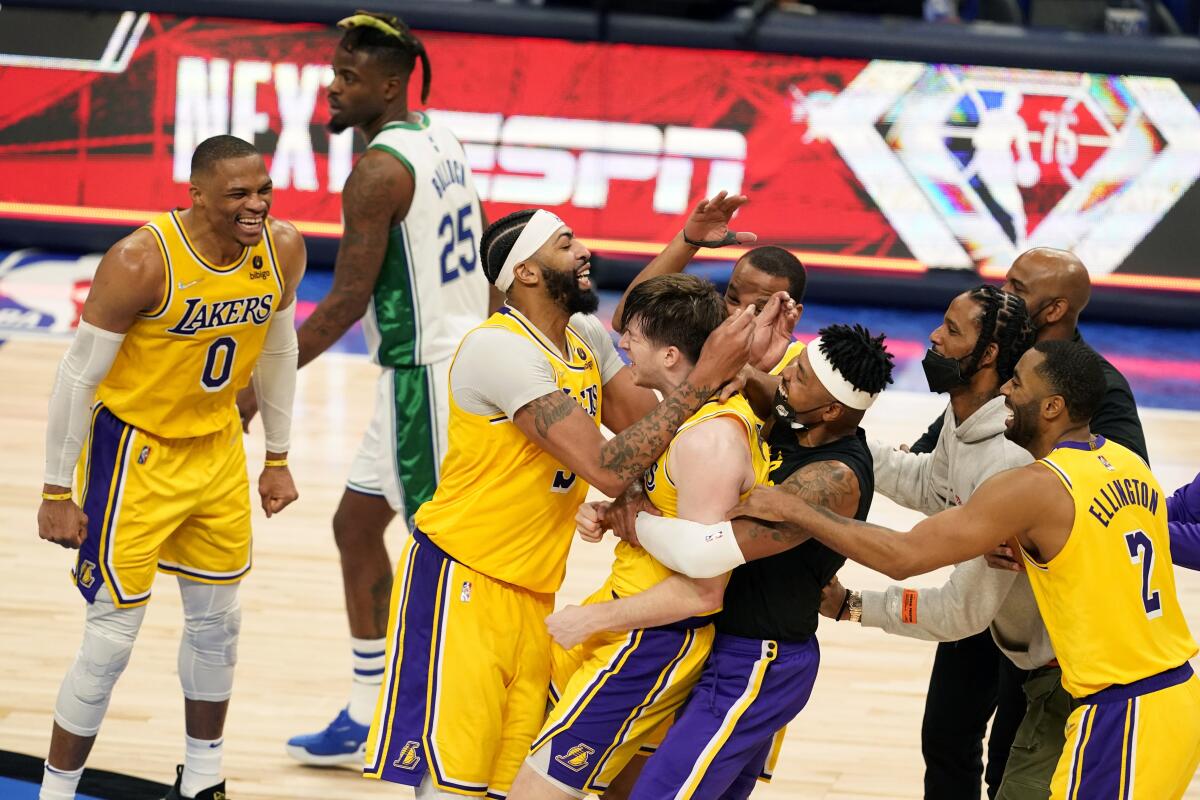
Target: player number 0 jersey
[[181, 364]]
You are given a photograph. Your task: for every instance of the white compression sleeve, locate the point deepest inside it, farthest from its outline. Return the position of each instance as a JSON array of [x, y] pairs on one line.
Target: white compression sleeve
[[275, 379], [83, 367], [690, 548]]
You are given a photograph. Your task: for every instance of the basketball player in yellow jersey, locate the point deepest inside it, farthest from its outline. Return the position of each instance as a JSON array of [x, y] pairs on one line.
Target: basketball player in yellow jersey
[[179, 316], [1090, 522], [615, 691], [468, 657]]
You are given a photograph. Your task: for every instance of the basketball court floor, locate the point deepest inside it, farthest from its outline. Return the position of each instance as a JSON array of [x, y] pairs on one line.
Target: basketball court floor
[[858, 738]]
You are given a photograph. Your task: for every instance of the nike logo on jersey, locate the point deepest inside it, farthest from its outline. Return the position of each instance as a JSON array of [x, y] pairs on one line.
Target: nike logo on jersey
[[189, 284], [199, 316]]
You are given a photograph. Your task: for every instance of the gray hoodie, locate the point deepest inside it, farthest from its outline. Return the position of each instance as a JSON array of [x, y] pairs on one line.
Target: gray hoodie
[[976, 596]]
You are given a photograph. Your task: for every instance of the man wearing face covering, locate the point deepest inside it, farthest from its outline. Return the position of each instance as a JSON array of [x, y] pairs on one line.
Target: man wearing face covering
[[973, 352], [1055, 287]]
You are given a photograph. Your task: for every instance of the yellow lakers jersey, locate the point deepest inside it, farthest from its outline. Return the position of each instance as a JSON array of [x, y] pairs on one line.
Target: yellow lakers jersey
[[794, 349], [504, 506], [1108, 598], [181, 364], [634, 570]]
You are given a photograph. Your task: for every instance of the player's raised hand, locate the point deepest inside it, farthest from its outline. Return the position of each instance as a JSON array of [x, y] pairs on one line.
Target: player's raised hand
[[708, 225], [62, 522], [277, 489], [773, 331], [571, 625], [247, 406], [590, 520], [727, 349]]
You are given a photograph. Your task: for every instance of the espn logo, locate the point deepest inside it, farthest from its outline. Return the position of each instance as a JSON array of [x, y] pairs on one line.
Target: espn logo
[[550, 161]]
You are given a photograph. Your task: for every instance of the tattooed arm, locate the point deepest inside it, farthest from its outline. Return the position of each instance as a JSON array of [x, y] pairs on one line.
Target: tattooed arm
[[703, 551], [376, 197], [830, 484], [559, 425], [1021, 503]]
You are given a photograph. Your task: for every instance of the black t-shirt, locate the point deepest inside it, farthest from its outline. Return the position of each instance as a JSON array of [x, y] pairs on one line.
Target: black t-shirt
[[779, 597]]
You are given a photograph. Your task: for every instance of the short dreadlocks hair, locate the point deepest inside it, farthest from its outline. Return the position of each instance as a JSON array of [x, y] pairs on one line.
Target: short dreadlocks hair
[[861, 358]]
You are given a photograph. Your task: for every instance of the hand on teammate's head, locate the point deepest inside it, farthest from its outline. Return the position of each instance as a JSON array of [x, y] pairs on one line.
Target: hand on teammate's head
[[773, 331], [727, 349]]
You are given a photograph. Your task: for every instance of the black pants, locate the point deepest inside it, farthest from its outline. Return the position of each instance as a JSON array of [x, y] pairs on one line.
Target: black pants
[[971, 680]]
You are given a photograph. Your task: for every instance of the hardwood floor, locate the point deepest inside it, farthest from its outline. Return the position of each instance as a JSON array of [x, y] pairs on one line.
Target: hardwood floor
[[858, 738]]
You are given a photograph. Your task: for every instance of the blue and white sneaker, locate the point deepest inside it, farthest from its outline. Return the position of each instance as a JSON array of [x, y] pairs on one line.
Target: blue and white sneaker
[[343, 741]]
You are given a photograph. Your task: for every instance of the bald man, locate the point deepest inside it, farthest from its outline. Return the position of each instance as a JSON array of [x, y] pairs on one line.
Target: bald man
[[966, 686]]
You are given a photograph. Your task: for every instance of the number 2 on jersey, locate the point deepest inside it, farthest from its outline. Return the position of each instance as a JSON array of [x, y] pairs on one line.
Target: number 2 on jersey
[[1141, 549], [454, 231]]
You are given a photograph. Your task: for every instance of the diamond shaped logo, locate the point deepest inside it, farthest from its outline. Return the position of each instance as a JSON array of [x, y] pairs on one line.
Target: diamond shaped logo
[[973, 165]]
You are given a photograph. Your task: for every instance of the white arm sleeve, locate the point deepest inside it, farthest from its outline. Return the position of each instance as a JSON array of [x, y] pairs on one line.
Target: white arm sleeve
[[597, 336], [497, 372], [275, 379], [691, 548], [86, 363]]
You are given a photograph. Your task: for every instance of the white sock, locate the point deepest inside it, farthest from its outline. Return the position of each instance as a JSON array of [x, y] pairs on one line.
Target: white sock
[[201, 765], [58, 784], [368, 676]]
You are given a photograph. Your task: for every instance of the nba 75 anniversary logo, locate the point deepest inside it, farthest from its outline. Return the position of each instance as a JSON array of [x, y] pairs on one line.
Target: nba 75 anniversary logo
[[973, 165]]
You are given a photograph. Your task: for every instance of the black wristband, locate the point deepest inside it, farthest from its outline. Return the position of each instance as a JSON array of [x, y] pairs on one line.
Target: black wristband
[[730, 238], [845, 605]]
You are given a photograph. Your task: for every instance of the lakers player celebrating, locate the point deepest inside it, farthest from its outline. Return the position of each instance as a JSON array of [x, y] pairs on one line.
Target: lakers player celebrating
[[1090, 523], [618, 688], [181, 313], [468, 655]]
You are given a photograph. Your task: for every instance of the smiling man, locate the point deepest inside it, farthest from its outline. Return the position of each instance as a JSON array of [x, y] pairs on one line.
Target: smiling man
[[1089, 521], [181, 312], [468, 658]]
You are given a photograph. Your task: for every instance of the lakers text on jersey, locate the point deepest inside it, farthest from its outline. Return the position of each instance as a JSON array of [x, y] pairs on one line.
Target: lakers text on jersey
[[163, 475]]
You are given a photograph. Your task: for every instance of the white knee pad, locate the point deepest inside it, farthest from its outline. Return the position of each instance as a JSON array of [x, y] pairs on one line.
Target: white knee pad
[[212, 618], [108, 636]]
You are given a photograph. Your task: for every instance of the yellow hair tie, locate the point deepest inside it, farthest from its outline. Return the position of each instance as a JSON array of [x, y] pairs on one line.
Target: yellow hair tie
[[371, 21], [279, 462], [49, 496]]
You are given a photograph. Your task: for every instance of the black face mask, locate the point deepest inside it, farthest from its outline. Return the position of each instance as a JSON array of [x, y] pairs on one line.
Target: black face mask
[[1033, 315], [944, 373], [785, 413]]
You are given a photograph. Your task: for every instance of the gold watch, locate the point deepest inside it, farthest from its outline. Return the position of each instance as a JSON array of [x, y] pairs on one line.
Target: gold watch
[[854, 607]]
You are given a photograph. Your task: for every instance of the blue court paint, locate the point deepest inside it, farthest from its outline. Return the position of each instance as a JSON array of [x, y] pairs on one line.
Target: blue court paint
[[12, 789]]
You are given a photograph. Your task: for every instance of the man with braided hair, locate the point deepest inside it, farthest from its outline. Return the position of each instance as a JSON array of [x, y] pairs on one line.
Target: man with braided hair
[[408, 266], [973, 352], [765, 655], [468, 656]]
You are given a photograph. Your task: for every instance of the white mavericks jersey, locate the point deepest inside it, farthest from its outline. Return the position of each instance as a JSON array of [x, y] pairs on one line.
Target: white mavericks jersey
[[431, 290]]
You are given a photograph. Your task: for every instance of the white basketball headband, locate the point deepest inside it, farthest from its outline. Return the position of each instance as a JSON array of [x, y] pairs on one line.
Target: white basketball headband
[[842, 390], [537, 232]]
